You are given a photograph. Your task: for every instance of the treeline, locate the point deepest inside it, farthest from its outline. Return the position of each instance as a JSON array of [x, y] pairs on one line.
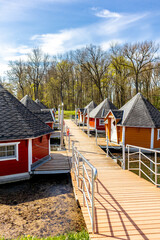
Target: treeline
[[90, 73]]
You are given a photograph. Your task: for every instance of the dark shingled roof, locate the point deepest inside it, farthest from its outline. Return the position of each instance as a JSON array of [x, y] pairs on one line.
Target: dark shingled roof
[[36, 109], [30, 104], [81, 110], [118, 114], [44, 116], [90, 106], [16, 121], [40, 104], [139, 112], [102, 109]]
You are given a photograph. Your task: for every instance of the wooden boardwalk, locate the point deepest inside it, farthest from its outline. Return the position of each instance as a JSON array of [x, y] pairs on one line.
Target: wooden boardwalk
[[59, 163], [126, 206]]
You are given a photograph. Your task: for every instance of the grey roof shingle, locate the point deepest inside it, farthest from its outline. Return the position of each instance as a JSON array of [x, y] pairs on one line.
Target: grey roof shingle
[[40, 104], [36, 109], [16, 121], [30, 104], [44, 116], [118, 114], [102, 109], [90, 106], [139, 112]]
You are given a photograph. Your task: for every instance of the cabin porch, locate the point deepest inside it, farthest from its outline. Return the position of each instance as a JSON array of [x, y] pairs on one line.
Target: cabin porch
[[59, 162]]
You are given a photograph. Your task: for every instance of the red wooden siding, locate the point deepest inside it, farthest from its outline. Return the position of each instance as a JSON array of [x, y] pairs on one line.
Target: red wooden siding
[[40, 147], [10, 167], [50, 124]]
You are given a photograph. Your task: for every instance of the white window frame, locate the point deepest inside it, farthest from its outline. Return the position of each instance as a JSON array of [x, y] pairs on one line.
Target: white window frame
[[158, 134], [16, 157], [101, 124]]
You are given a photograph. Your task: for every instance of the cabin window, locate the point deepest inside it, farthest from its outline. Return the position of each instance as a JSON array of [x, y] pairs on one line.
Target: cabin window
[[8, 151], [101, 121], [158, 134]]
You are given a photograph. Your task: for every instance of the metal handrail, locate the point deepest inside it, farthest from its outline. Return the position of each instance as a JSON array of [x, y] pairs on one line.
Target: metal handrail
[[87, 178], [141, 163]]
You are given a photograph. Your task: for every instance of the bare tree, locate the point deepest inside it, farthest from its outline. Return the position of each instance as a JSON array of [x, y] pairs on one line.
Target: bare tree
[[96, 62], [140, 55], [17, 75], [37, 67], [120, 74]]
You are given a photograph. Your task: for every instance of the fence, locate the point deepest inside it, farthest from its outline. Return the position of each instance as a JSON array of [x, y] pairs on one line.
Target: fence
[[85, 175], [144, 153]]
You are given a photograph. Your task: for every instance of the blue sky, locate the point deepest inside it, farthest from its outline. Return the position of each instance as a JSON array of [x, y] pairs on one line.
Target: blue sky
[[58, 26]]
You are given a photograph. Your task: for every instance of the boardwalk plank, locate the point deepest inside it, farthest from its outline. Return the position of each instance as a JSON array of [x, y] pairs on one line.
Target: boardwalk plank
[[127, 207]]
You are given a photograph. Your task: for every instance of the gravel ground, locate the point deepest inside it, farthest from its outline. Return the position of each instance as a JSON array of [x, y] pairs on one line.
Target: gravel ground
[[43, 206]]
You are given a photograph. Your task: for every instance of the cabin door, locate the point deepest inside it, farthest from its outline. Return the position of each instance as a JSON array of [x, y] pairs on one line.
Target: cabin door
[[80, 117], [113, 130]]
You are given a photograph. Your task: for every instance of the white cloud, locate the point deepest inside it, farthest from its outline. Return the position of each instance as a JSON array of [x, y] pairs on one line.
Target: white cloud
[[107, 14], [103, 32]]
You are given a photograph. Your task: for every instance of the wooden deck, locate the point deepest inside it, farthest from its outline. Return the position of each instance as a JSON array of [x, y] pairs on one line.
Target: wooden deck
[[126, 206], [60, 163]]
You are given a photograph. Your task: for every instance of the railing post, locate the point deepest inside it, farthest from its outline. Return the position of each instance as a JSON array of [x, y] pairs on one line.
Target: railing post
[[93, 213], [139, 162], [156, 168], [151, 167], [83, 184]]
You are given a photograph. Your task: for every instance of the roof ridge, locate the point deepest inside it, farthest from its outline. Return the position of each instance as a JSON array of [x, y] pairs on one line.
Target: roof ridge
[[130, 111]]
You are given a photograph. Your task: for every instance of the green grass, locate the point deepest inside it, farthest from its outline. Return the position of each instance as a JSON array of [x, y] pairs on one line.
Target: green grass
[[83, 235], [67, 114]]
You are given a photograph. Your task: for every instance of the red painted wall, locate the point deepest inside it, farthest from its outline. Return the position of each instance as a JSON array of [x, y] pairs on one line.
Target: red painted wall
[[50, 124], [9, 167], [98, 126], [40, 147]]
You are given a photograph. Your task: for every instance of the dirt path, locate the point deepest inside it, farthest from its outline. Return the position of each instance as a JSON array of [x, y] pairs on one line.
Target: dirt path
[[44, 206]]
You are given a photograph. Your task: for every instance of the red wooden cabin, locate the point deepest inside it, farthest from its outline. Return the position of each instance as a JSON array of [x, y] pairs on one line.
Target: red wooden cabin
[[96, 116], [24, 139]]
